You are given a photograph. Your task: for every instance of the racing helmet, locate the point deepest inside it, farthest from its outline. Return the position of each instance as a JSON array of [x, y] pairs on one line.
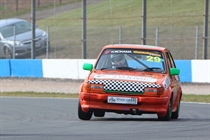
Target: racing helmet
[[117, 58]]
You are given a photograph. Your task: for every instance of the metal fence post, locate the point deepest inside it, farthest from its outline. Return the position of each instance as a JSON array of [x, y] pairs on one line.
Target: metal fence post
[[84, 29], [13, 53], [33, 36], [196, 42], [38, 3], [16, 5], [47, 48], [120, 35], [157, 33], [144, 16], [205, 30]]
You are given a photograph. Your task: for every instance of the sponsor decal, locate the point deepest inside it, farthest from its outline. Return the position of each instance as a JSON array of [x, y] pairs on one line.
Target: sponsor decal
[[121, 51], [126, 77], [166, 83], [147, 53], [107, 51]]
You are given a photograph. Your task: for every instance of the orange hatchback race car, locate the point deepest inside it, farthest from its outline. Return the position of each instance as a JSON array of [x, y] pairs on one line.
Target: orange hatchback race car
[[131, 79]]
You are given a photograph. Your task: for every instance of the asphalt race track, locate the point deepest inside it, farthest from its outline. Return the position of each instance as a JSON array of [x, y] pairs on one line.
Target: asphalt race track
[[56, 119]]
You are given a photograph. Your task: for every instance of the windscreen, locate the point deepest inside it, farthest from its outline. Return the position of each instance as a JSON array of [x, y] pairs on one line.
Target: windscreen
[[15, 29], [131, 59]]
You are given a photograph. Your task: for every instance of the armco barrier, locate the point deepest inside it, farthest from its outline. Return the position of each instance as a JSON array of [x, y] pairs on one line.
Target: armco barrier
[[60, 68], [196, 71], [65, 68], [26, 68], [200, 71], [5, 68], [185, 70]]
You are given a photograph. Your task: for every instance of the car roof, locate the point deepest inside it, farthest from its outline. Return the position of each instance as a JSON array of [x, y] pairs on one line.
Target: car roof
[[136, 46], [5, 22]]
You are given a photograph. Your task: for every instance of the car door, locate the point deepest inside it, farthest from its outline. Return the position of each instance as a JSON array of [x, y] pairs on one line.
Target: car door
[[175, 80]]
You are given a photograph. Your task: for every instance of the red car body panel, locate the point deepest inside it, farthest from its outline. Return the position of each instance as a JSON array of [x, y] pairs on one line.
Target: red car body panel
[[92, 97]]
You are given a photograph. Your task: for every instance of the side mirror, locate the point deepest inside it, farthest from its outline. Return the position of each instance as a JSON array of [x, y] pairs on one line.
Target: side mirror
[[87, 66], [174, 71]]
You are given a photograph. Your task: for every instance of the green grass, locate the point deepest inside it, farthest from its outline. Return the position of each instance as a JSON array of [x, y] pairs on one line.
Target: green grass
[[2, 8], [123, 13], [173, 17], [196, 98], [39, 94], [185, 97], [105, 18], [8, 13], [129, 13]]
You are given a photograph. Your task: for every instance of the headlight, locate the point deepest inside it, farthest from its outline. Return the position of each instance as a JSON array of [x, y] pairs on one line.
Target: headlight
[[13, 42], [87, 87], [97, 87], [17, 43], [44, 34], [150, 91], [154, 91]]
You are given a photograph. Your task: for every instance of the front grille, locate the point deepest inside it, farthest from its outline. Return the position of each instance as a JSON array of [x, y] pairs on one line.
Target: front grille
[[28, 42], [123, 86]]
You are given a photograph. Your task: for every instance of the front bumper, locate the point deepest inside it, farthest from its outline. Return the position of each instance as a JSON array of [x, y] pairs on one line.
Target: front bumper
[[25, 50], [146, 104]]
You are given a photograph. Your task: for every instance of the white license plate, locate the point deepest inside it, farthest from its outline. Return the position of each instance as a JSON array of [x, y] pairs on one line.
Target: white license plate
[[122, 100]]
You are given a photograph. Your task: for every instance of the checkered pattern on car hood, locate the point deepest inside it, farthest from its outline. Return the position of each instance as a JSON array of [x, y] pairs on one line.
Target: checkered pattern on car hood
[[124, 86]]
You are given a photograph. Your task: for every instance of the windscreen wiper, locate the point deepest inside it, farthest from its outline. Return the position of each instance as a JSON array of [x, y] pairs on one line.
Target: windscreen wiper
[[106, 68], [151, 69], [126, 68]]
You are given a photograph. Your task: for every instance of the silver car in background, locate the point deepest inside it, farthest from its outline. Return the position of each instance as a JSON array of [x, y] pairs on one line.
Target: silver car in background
[[15, 39]]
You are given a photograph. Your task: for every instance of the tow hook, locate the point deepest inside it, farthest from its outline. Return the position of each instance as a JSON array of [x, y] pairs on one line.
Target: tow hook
[[136, 111]]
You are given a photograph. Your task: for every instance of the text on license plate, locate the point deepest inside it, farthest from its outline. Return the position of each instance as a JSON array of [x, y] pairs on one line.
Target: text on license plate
[[122, 100]]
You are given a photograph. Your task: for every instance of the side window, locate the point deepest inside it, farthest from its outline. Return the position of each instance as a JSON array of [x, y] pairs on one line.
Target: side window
[[169, 61], [172, 60], [104, 62], [172, 64]]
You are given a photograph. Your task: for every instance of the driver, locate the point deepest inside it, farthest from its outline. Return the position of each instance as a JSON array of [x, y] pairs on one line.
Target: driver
[[118, 60]]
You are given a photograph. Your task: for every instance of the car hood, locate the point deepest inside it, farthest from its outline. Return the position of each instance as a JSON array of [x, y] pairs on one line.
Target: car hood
[[131, 76], [26, 35]]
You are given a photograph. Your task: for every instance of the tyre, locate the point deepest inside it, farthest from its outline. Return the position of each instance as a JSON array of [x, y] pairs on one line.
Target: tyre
[[99, 113], [8, 53], [83, 115], [175, 115], [167, 117]]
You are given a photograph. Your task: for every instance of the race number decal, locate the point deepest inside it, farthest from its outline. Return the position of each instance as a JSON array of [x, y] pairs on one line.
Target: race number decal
[[153, 59]]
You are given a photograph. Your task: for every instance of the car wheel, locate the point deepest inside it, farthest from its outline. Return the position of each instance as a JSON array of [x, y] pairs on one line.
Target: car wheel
[[167, 117], [8, 53], [99, 113], [175, 115], [83, 115]]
